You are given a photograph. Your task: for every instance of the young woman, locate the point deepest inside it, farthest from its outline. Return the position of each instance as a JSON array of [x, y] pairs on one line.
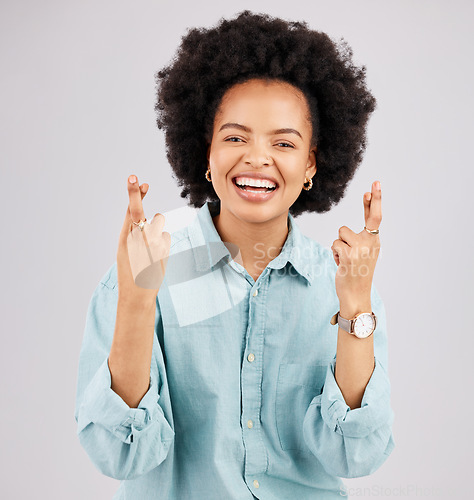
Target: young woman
[[251, 362]]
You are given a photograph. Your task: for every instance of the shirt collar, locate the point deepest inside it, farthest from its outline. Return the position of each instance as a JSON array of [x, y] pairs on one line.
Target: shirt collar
[[209, 249]]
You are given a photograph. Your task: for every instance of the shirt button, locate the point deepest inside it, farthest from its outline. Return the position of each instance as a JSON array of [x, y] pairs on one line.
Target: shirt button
[[255, 483], [255, 293], [251, 357], [249, 424]]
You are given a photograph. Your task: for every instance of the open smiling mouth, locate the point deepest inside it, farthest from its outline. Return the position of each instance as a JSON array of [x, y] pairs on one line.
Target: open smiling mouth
[[255, 194], [254, 189]]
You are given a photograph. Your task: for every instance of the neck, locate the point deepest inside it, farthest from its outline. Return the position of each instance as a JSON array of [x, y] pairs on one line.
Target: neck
[[258, 242]]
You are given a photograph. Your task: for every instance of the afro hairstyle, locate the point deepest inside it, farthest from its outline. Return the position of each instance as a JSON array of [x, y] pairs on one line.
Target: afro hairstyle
[[210, 61]]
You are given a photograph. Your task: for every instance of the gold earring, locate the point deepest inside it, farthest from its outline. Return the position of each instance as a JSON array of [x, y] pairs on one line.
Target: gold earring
[[208, 173], [310, 184]]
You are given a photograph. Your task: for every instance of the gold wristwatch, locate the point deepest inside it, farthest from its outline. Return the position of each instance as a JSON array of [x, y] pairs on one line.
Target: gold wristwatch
[[362, 325]]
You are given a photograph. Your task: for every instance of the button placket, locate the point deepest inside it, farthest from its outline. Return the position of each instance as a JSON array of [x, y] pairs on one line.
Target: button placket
[[251, 358], [256, 456]]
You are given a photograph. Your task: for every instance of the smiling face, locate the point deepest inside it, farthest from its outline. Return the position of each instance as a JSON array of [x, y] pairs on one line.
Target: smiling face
[[262, 128]]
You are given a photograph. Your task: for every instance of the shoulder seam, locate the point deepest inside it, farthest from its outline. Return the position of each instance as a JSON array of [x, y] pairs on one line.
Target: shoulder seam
[[105, 284]]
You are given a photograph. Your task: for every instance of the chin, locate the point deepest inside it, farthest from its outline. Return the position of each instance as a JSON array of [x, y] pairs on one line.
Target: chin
[[257, 214]]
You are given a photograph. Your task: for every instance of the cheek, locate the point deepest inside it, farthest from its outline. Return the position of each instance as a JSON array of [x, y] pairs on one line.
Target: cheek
[[294, 177], [220, 158]]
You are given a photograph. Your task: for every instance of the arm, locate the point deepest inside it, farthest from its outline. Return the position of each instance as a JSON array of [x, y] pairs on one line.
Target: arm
[[123, 441], [130, 356], [354, 442], [355, 357]]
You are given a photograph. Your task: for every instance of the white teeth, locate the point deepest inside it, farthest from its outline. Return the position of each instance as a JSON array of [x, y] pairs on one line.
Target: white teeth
[[246, 181]]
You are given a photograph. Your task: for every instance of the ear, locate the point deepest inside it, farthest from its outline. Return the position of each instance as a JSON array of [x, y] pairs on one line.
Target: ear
[[311, 164], [208, 152]]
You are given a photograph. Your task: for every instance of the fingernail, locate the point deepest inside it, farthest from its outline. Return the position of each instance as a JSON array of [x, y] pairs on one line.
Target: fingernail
[[377, 185], [132, 179]]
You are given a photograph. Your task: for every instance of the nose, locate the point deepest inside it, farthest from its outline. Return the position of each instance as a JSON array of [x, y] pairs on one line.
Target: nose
[[257, 155]]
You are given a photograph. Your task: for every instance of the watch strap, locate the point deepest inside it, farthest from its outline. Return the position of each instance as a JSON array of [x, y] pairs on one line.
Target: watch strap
[[345, 324]]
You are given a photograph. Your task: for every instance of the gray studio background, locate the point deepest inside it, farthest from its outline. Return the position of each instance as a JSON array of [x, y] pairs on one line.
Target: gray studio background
[[76, 107]]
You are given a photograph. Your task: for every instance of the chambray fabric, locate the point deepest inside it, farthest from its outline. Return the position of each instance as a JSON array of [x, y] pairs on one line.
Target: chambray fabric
[[243, 400]]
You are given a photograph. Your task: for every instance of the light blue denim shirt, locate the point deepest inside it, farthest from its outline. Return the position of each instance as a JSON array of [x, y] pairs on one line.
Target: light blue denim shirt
[[242, 401]]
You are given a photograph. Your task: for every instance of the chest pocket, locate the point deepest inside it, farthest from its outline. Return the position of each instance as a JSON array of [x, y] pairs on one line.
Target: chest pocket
[[297, 385]]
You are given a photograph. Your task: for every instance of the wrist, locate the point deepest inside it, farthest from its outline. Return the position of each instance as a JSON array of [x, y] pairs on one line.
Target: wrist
[[137, 303], [348, 310]]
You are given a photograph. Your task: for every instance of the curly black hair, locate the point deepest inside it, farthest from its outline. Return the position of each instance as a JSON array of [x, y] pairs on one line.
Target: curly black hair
[[210, 61]]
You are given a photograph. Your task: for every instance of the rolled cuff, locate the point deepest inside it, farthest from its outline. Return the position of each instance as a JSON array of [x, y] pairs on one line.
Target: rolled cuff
[[374, 411], [104, 407]]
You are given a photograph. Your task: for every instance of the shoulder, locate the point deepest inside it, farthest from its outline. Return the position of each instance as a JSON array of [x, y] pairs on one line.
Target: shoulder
[[109, 280], [317, 249], [320, 256]]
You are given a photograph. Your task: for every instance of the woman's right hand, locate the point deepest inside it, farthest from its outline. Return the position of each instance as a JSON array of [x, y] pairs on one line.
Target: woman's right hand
[[142, 256]]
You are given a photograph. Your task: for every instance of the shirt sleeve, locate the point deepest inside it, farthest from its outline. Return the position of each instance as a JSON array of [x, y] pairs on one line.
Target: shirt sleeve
[[354, 443], [122, 442]]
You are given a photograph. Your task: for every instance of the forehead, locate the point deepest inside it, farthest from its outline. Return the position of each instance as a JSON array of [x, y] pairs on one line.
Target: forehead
[[264, 96]]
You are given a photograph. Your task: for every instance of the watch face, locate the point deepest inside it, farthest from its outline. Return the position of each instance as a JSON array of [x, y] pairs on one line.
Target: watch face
[[364, 325]]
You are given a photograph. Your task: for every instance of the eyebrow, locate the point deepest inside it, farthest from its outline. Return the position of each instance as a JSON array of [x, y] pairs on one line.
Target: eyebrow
[[273, 132]]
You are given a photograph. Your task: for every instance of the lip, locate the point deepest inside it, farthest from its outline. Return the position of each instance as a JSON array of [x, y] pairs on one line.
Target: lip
[[254, 175], [252, 195]]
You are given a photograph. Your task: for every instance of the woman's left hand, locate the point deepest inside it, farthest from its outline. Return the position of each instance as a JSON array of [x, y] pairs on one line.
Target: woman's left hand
[[356, 254]]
